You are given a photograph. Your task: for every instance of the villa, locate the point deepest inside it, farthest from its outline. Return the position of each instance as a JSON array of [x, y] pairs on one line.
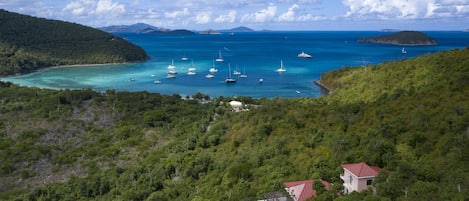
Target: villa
[[303, 190], [358, 176]]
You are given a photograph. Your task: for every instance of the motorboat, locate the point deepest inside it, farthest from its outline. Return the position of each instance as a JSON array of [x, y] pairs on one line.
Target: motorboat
[[304, 55]]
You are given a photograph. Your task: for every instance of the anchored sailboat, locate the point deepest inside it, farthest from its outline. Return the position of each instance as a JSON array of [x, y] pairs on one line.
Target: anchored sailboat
[[282, 68], [229, 79], [219, 59]]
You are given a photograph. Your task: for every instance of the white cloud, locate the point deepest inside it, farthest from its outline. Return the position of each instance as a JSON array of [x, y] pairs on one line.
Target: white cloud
[[289, 15], [108, 8], [76, 8], [230, 17], [101, 8], [263, 15], [405, 9], [178, 13], [203, 18]]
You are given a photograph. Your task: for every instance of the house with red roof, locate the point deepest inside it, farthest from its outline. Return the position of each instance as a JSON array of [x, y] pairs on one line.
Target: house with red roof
[[302, 190], [358, 176]]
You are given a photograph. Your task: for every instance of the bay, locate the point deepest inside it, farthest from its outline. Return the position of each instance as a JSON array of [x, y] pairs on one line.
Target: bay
[[258, 54]]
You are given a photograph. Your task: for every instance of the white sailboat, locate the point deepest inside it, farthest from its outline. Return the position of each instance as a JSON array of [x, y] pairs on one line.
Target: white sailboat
[[244, 75], [281, 68], [191, 69], [213, 69], [229, 79], [219, 59], [236, 72], [403, 50], [184, 58], [171, 66]]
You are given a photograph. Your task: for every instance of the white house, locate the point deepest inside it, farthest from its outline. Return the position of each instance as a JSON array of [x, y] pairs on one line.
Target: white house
[[236, 105], [358, 176]]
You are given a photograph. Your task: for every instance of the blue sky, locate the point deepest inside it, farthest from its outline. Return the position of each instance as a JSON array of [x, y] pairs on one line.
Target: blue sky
[[256, 14]]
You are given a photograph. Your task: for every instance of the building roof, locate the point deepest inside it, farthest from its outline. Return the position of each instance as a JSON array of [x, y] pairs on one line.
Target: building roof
[[236, 104], [302, 190], [362, 169]]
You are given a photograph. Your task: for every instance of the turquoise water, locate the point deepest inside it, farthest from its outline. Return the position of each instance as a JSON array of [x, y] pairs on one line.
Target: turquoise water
[[257, 53]]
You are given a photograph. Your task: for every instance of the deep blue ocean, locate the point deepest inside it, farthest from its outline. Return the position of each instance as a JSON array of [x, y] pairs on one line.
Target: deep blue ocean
[[257, 54]]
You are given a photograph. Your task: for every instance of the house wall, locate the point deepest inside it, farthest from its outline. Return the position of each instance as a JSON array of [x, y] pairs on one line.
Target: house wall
[[361, 184], [356, 184]]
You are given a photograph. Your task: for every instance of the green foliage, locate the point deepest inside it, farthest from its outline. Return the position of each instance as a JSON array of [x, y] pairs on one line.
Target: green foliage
[[85, 145], [404, 38], [29, 43]]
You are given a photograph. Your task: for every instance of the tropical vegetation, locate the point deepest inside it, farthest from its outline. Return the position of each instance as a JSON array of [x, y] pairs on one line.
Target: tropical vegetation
[[29, 43], [409, 117]]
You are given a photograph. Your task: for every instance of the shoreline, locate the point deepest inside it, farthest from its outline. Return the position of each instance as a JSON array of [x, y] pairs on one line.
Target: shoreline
[[83, 65], [323, 87], [63, 66]]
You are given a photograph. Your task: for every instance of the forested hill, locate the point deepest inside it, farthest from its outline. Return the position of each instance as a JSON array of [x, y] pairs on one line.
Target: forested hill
[[28, 43], [411, 38], [408, 117]]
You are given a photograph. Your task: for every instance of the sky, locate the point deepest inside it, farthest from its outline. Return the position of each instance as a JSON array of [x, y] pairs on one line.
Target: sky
[[255, 14]]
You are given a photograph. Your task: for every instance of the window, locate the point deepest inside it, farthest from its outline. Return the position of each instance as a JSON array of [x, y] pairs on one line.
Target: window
[[369, 182], [350, 179]]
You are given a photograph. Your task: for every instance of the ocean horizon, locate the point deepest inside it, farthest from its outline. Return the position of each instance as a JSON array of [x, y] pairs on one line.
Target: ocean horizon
[[255, 54]]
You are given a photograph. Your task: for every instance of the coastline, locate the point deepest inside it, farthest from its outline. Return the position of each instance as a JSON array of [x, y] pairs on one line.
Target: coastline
[[62, 66], [323, 87], [82, 65]]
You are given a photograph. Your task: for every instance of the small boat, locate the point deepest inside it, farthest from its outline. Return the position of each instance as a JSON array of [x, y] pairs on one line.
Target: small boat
[[171, 66], [157, 81], [170, 76], [236, 72], [213, 69], [229, 79], [403, 50], [261, 80], [282, 68], [131, 79], [184, 58], [210, 76], [191, 70], [304, 55], [172, 72], [244, 75], [219, 59]]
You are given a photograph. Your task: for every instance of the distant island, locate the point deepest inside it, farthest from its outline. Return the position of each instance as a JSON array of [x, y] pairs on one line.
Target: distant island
[[410, 38], [168, 31], [210, 31], [142, 28], [389, 30], [149, 29], [134, 28], [238, 29], [29, 43]]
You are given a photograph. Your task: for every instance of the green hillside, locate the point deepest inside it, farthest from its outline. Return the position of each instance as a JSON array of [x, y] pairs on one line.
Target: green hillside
[[409, 117], [29, 43]]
